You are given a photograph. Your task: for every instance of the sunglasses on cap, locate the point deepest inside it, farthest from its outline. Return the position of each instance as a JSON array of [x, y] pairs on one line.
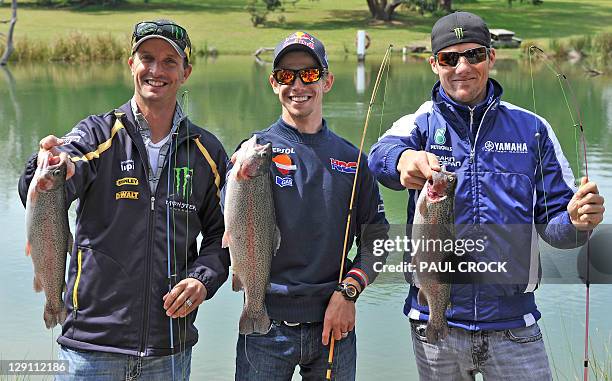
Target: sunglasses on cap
[[173, 32], [473, 56], [288, 76]]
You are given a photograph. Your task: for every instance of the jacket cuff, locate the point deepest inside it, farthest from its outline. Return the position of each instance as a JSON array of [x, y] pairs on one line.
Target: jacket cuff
[[209, 284]]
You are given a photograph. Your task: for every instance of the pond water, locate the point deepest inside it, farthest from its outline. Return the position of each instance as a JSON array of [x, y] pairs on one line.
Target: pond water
[[230, 96]]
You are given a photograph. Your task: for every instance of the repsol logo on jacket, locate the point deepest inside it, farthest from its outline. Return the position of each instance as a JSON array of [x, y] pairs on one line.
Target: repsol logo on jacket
[[505, 147]]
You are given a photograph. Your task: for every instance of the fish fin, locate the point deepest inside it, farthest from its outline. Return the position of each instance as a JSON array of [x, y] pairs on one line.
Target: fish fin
[[277, 239], [421, 298], [28, 248], [70, 242], [225, 241], [236, 283], [62, 315], [254, 324], [37, 284]]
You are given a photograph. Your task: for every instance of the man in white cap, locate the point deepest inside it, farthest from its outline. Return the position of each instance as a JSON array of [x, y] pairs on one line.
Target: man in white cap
[[147, 181]]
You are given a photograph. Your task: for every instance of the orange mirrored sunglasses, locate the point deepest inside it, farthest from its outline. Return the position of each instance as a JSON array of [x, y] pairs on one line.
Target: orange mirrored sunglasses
[[288, 76]]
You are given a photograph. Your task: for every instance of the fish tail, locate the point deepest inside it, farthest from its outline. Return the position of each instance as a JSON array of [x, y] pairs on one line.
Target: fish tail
[[437, 329], [54, 316], [259, 323]]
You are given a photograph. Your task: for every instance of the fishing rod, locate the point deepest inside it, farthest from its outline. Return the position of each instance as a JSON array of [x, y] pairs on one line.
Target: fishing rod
[[385, 62], [182, 344], [578, 126]]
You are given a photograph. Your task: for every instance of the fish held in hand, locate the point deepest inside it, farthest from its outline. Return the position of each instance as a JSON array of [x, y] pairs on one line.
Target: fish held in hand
[[251, 232], [48, 233], [434, 224]]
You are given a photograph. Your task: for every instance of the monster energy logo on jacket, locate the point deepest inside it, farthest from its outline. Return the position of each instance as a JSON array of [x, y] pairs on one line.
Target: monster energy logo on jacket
[[182, 181]]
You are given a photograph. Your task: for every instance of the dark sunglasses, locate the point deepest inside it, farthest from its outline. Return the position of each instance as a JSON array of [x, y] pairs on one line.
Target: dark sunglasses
[[175, 33], [288, 76], [473, 56]]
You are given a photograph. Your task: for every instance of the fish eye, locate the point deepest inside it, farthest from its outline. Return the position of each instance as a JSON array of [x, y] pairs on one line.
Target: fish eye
[[56, 172]]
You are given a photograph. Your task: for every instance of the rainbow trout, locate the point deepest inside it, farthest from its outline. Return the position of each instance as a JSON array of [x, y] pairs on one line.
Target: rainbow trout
[[251, 232], [48, 234], [434, 224]]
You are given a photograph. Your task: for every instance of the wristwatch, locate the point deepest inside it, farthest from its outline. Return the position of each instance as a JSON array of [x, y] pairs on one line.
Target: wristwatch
[[349, 291]]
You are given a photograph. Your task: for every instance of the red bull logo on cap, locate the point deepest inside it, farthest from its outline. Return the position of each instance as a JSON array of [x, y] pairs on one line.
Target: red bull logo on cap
[[300, 38], [343, 166]]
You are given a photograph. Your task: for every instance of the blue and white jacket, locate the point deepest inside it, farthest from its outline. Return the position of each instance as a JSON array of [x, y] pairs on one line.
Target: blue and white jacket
[[512, 175]]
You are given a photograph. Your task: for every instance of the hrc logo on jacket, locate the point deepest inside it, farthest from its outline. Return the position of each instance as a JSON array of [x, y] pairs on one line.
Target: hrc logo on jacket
[[343, 166]]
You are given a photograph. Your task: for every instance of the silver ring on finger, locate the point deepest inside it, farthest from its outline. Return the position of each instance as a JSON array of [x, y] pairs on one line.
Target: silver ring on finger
[[188, 302], [344, 335]]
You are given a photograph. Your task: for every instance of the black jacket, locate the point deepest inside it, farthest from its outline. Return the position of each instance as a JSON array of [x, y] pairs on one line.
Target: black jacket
[[118, 270]]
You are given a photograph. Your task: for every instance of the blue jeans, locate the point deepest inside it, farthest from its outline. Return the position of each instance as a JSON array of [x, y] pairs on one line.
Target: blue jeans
[[273, 356], [102, 366], [516, 354]]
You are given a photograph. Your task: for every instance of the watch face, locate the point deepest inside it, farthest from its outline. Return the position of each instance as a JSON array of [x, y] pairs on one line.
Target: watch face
[[351, 291]]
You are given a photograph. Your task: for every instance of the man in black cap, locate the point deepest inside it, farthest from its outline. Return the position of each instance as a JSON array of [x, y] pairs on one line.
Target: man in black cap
[[313, 171], [511, 173], [147, 180]]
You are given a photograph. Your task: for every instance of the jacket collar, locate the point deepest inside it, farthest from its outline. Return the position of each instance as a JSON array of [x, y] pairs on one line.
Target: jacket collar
[[185, 127], [452, 110], [494, 93], [291, 133]]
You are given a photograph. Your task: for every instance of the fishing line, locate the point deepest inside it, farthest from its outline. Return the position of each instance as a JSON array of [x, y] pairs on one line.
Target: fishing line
[[385, 61], [537, 136], [168, 256], [382, 110], [577, 124], [189, 185]]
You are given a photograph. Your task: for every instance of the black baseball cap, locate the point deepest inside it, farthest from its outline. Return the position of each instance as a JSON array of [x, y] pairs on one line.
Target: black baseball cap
[[457, 28], [166, 30], [301, 41]]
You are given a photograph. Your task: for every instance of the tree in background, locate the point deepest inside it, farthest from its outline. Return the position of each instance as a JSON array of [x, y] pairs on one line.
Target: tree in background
[[9, 37], [260, 9], [384, 9]]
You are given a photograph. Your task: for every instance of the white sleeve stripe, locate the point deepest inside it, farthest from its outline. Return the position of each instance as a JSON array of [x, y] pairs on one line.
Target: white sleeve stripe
[[406, 124]]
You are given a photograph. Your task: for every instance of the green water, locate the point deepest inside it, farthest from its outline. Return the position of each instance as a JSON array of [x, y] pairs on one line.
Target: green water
[[231, 97]]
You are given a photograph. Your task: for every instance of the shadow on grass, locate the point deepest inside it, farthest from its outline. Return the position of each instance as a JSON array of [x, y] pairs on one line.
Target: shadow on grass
[[548, 20], [352, 19]]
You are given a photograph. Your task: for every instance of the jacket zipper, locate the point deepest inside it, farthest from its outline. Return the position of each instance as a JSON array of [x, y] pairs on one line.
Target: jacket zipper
[[147, 282], [145, 312], [75, 295], [474, 181], [145, 335]]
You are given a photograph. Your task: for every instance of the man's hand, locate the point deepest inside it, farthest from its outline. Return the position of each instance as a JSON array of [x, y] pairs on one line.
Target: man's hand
[[339, 316], [176, 301], [416, 167], [48, 151], [586, 207]]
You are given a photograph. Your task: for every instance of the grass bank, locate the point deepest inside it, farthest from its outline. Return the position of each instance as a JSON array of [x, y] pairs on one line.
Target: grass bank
[[226, 26]]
